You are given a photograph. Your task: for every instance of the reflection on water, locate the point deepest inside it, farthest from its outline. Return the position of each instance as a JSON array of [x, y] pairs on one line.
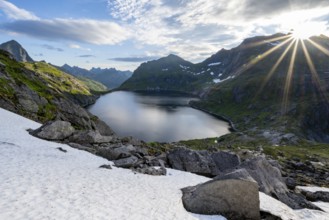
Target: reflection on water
[[156, 118]]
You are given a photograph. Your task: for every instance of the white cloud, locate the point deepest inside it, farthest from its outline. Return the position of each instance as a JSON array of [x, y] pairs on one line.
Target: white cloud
[[78, 47], [78, 30], [15, 13], [195, 28]]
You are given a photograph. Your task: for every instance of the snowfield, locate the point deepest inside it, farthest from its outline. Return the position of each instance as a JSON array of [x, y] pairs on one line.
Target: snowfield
[[38, 181]]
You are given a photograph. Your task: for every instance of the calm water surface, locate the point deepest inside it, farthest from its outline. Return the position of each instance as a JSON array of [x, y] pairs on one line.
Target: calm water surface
[[162, 118]]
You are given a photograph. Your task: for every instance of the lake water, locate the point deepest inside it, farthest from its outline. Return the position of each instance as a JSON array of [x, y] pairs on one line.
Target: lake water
[[161, 118]]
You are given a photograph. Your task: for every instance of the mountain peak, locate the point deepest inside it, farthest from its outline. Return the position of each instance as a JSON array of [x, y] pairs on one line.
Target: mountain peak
[[18, 52]]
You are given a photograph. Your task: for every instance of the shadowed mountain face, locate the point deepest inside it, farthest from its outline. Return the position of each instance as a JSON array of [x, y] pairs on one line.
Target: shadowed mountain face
[[268, 82], [110, 77], [17, 51]]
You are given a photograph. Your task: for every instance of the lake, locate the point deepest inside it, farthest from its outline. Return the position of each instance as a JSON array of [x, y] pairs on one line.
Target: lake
[[156, 117]]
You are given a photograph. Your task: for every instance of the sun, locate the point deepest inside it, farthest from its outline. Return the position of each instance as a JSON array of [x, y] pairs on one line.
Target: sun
[[303, 31]]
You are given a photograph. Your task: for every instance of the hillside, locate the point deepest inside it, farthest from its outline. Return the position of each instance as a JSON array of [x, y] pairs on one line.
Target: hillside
[[42, 92], [277, 91], [110, 77], [170, 73], [18, 52]]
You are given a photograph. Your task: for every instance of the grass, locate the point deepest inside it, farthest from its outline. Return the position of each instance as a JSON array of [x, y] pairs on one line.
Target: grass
[[57, 79]]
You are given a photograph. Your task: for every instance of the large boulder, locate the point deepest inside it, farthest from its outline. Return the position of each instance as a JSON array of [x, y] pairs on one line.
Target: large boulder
[[116, 152], [54, 130], [202, 162], [89, 137], [225, 160], [198, 162], [234, 196], [271, 182]]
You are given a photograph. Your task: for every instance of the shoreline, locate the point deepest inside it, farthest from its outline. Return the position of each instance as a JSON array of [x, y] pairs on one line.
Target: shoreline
[[231, 124]]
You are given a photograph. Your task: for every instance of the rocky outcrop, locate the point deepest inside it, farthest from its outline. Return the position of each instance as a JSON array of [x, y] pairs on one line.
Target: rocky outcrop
[[89, 137], [202, 162], [222, 196], [54, 130], [316, 196], [271, 182]]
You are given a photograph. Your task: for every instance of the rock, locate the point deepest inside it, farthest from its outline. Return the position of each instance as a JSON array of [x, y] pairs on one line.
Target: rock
[[202, 162], [126, 162], [103, 128], [225, 160], [115, 153], [223, 197], [54, 130], [161, 171], [316, 196], [272, 183], [89, 137], [198, 162], [61, 149], [239, 174], [291, 183], [80, 147], [106, 166]]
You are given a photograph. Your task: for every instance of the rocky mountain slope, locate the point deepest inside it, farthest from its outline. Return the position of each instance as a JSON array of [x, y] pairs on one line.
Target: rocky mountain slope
[[110, 77], [282, 89], [17, 51], [41, 92]]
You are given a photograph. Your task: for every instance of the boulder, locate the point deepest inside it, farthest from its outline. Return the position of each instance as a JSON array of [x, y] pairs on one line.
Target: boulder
[[202, 162], [128, 162], [234, 196], [116, 152], [198, 162], [225, 160], [54, 130], [271, 182], [316, 196], [80, 147], [89, 137]]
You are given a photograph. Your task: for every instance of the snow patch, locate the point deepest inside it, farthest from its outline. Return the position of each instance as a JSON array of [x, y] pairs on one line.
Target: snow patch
[[215, 64]]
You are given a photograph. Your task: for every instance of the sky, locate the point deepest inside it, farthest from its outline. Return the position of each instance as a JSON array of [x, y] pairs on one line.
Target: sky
[[124, 33]]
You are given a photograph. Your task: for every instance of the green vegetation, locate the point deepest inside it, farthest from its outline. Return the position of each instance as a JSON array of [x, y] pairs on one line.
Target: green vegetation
[[57, 79], [94, 86]]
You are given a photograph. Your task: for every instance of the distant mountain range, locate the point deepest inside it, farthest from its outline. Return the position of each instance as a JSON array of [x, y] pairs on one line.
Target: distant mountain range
[[110, 77], [274, 83], [16, 50]]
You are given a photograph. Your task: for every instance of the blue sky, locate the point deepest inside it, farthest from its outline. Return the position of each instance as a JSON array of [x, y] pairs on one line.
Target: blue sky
[[124, 33]]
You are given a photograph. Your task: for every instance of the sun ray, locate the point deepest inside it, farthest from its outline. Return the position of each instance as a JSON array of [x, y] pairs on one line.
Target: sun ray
[[274, 68], [318, 46], [314, 73], [287, 85], [261, 57]]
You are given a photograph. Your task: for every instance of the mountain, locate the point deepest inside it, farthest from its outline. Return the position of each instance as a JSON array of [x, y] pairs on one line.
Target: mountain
[[279, 88], [272, 86], [41, 92], [170, 73], [110, 77], [15, 49]]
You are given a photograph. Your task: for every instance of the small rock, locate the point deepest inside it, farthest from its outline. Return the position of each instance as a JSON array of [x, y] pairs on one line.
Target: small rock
[[126, 162], [61, 149], [161, 171], [106, 166]]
